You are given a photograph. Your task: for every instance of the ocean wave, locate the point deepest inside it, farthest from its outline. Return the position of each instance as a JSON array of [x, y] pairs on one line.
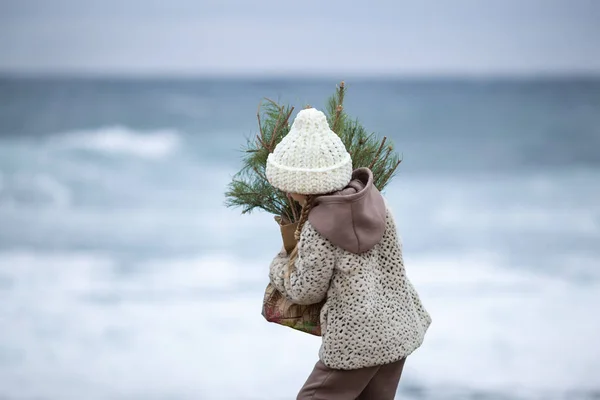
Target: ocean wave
[[511, 330], [187, 106], [33, 189], [122, 140], [508, 333], [519, 219]]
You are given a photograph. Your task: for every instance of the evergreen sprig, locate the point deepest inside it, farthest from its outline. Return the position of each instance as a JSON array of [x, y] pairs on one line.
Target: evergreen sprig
[[250, 189]]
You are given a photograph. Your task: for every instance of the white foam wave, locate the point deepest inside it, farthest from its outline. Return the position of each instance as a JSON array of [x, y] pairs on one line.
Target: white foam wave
[[521, 218], [158, 330], [528, 202], [121, 140], [506, 330]]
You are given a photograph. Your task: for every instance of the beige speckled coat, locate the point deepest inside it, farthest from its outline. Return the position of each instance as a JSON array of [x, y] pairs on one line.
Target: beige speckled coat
[[372, 314]]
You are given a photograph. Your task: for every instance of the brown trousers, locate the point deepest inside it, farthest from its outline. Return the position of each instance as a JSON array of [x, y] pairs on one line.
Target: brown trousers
[[373, 383]]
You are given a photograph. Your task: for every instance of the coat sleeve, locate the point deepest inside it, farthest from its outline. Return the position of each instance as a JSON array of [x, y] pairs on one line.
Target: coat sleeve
[[308, 282]]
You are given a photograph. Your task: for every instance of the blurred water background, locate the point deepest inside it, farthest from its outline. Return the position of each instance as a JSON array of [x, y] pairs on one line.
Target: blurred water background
[[123, 276]]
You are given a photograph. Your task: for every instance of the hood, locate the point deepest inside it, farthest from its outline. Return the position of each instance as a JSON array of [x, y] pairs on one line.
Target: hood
[[354, 217]]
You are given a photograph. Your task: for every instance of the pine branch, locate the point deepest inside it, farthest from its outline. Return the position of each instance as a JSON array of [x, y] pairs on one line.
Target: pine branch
[[387, 155], [277, 127], [274, 133], [341, 92], [339, 108], [262, 142], [378, 153], [262, 176], [390, 173], [250, 189], [262, 133]]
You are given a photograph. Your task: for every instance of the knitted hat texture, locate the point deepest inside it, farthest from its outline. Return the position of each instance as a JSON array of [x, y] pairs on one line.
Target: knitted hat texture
[[311, 158]]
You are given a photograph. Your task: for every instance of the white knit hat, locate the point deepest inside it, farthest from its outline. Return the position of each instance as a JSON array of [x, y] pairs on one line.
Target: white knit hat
[[311, 158]]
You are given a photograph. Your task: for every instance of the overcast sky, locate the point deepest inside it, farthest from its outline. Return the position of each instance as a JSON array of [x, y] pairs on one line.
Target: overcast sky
[[301, 37]]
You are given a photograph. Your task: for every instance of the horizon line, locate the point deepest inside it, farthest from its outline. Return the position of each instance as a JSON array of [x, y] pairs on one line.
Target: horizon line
[[342, 76]]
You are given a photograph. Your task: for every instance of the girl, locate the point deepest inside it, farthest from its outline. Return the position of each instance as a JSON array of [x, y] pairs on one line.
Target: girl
[[348, 253]]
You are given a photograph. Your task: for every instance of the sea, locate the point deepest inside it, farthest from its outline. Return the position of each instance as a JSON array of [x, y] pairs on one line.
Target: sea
[[123, 275]]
